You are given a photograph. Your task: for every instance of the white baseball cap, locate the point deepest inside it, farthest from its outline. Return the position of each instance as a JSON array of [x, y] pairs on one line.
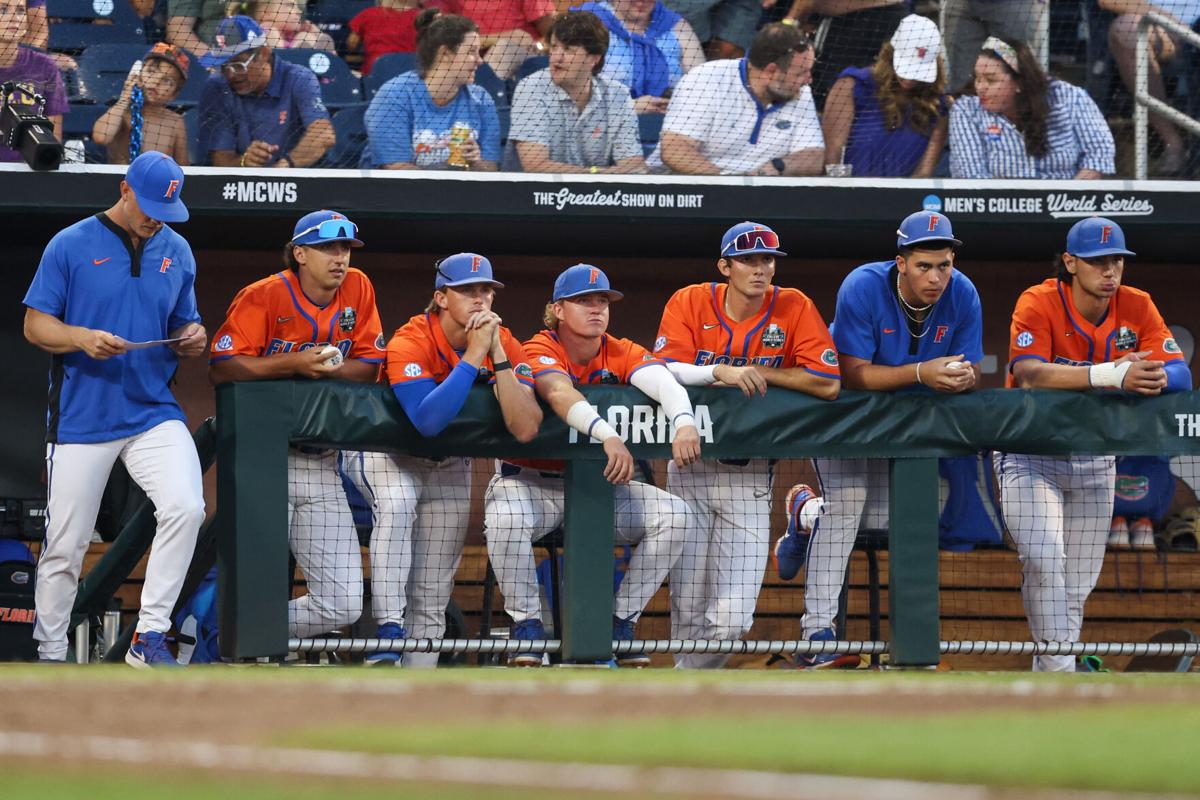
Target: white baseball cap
[[916, 45]]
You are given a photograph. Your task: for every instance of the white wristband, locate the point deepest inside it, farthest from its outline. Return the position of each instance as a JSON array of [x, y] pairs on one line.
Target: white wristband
[[583, 418], [1108, 375]]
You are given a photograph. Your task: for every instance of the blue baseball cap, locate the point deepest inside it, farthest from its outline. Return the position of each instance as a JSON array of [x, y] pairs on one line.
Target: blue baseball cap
[[463, 269], [324, 226], [157, 183], [1097, 236], [583, 279], [749, 237], [925, 226], [235, 35]]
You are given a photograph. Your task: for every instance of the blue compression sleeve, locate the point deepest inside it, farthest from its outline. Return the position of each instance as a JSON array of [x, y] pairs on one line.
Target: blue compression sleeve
[[1179, 377], [432, 409]]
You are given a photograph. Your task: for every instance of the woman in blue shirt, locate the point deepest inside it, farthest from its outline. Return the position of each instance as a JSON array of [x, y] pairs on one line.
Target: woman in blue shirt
[[435, 117], [1014, 122], [890, 119]]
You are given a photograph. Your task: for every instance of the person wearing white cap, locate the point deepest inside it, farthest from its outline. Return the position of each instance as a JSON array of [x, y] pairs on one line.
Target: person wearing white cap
[[114, 279], [890, 119]]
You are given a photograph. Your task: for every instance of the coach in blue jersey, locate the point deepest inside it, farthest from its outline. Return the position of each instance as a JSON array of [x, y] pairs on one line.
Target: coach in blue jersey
[[910, 324], [107, 286]]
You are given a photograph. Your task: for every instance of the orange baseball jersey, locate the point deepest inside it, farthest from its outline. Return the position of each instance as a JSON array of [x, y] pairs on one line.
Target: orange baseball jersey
[[617, 360], [273, 316], [420, 351], [1046, 326], [787, 332]]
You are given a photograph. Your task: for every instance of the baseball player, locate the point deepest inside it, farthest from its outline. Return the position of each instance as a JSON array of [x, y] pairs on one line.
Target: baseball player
[[746, 333], [524, 501], [115, 280], [315, 319], [1081, 330], [913, 323], [421, 506]]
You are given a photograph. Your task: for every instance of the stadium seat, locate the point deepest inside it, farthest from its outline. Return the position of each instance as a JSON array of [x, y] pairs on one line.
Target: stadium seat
[[351, 139], [649, 130], [102, 69], [76, 24], [486, 78], [339, 86], [530, 66], [78, 123], [333, 17], [191, 119], [385, 68]]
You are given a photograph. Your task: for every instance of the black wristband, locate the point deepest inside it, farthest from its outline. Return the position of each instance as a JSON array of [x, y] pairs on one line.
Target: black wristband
[[500, 366], [779, 164]]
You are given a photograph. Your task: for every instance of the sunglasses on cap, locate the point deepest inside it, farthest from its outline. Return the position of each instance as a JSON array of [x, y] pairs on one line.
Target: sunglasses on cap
[[331, 229], [751, 240]]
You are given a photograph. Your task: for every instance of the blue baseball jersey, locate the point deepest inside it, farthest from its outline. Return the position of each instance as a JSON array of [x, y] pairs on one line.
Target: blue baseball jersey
[[869, 323], [90, 275]]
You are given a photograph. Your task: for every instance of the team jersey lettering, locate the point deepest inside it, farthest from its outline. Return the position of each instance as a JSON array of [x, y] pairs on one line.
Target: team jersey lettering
[[940, 333]]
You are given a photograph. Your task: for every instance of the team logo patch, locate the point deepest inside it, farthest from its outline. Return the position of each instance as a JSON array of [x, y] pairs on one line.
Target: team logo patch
[[546, 360], [773, 336], [166, 264], [1132, 488], [380, 342], [607, 377], [1024, 339], [20, 578], [523, 370], [1171, 346], [224, 343], [830, 357], [1126, 339], [647, 357], [349, 319], [412, 370], [660, 343]]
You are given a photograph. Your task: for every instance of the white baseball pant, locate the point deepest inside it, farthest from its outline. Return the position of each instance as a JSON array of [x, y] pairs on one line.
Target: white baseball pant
[[1058, 512], [324, 540], [717, 579], [520, 509], [855, 491], [421, 509], [164, 463]]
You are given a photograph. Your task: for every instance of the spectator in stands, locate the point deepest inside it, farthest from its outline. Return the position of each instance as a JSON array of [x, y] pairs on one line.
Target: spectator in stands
[[37, 33], [726, 27], [890, 120], [285, 27], [1165, 48], [387, 28], [569, 118], [849, 34], [649, 49], [258, 110], [966, 23], [435, 117], [140, 121], [192, 24], [1017, 123], [512, 30], [753, 116], [30, 70]]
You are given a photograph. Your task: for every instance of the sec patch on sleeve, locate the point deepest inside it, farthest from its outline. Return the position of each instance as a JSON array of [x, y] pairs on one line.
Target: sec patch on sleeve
[[224, 343], [1024, 339], [660, 343], [412, 370]]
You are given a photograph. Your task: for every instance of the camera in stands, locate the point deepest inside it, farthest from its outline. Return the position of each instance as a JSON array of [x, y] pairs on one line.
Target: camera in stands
[[25, 128]]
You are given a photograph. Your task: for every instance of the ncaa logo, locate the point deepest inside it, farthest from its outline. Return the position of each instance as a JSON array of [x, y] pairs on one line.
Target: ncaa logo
[[412, 370], [224, 343], [1024, 339], [931, 203]]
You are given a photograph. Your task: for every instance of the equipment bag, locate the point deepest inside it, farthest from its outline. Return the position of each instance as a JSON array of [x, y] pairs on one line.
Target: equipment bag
[[17, 615]]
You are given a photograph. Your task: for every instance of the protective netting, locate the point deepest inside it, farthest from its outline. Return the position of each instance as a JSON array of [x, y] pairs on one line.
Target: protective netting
[[967, 88]]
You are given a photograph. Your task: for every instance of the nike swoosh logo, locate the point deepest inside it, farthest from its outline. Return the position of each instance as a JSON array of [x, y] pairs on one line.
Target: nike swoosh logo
[[281, 320], [889, 330], [99, 261], [710, 327]]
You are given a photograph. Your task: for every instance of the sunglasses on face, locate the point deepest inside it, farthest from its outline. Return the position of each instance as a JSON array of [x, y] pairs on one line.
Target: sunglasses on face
[[331, 229], [751, 240], [238, 67]]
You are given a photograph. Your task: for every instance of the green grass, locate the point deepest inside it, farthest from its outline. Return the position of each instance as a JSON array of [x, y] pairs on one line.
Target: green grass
[[1119, 746]]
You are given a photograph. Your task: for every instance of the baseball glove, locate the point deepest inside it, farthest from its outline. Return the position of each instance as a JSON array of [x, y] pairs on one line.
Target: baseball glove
[[1183, 531]]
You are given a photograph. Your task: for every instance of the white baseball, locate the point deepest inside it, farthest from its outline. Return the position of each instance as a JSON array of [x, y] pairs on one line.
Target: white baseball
[[331, 357], [957, 365]]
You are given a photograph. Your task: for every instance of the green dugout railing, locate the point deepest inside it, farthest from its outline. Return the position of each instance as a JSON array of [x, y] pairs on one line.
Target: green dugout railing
[[257, 421]]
